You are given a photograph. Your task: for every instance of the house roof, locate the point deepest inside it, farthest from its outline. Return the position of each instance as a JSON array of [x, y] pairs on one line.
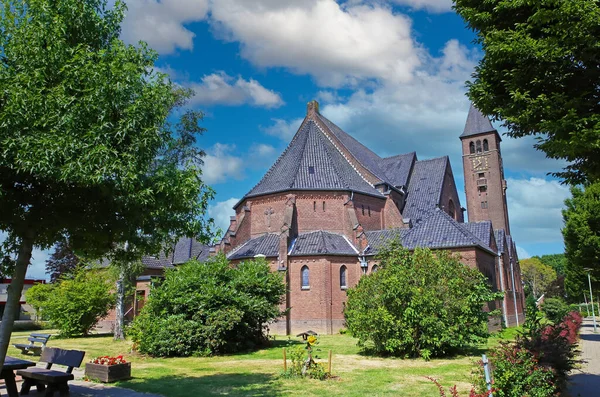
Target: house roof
[[321, 243], [425, 188], [267, 245], [185, 249], [379, 238], [312, 162], [477, 123], [398, 168]]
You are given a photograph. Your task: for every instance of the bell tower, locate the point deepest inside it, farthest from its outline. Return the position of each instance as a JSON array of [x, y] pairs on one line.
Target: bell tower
[[485, 186]]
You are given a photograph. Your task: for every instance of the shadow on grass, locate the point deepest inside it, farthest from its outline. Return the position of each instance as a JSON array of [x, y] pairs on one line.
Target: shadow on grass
[[235, 384]]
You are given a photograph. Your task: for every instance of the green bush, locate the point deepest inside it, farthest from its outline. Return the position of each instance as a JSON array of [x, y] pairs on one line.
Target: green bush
[[209, 308], [75, 305], [37, 296], [555, 309], [421, 304]]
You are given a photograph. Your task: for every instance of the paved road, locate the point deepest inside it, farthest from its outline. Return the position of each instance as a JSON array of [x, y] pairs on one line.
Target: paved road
[[585, 382]]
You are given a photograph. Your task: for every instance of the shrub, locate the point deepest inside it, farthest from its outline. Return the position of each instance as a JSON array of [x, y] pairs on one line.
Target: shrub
[[76, 305], [555, 309], [209, 308], [421, 304], [37, 296]]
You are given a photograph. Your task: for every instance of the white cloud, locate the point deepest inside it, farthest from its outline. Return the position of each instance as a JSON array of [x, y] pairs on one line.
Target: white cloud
[[37, 268], [222, 211], [221, 89], [534, 207], [283, 129], [337, 44], [522, 253], [162, 24], [220, 164], [429, 5]]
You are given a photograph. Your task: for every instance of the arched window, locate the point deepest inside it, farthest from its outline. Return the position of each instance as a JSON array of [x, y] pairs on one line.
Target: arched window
[[314, 206], [486, 146], [323, 206], [451, 209], [305, 277], [374, 269], [343, 284], [478, 145], [472, 147]]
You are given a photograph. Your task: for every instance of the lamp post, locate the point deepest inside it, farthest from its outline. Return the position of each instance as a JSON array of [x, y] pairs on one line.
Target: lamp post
[[591, 297]]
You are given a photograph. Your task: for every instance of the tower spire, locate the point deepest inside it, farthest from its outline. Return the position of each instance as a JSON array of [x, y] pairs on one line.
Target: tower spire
[[477, 123]]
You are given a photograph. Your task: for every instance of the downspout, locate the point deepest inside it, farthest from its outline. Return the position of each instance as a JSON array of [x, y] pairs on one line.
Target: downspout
[[512, 274], [503, 289]]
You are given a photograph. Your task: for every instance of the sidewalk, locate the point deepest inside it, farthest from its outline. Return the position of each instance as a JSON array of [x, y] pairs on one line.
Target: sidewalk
[[585, 381]]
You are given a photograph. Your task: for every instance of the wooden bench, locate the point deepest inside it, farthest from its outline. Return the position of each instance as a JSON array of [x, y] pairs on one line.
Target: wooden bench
[[54, 380], [32, 347]]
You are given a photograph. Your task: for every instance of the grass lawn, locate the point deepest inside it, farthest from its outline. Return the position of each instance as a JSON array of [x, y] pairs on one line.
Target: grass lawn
[[256, 373]]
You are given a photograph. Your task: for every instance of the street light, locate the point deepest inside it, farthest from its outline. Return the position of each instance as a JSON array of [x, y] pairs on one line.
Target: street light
[[588, 270]]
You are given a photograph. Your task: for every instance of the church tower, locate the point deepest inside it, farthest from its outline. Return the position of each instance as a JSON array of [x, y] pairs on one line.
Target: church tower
[[485, 186]]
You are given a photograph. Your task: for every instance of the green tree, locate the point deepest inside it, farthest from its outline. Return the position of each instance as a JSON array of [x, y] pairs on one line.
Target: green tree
[[540, 75], [419, 304], [581, 232], [209, 308], [37, 296], [537, 275], [88, 154], [75, 305], [62, 262], [558, 262]]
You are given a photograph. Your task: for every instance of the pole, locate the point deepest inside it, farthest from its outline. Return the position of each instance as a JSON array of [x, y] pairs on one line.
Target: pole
[[329, 363], [586, 305], [284, 361], [488, 378], [592, 300]]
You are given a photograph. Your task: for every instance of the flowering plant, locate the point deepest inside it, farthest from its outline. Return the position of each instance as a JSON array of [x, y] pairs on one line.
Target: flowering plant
[[107, 360]]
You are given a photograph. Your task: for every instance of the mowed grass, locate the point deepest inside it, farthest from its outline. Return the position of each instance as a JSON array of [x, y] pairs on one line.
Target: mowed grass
[[257, 373]]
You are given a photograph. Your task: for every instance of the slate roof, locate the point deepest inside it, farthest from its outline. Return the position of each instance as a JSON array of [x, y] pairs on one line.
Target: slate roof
[[185, 249], [500, 235], [476, 123], [439, 230], [379, 238], [321, 243], [267, 245], [398, 168], [509, 246], [425, 188], [312, 162], [482, 230]]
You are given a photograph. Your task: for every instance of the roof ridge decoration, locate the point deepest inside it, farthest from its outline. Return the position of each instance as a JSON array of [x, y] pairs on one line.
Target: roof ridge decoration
[[343, 155], [477, 123]]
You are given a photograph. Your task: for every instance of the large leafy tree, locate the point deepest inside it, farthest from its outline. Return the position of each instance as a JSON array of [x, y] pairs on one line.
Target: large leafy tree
[[419, 304], [86, 152], [537, 275], [540, 75], [558, 262], [582, 238], [62, 261]]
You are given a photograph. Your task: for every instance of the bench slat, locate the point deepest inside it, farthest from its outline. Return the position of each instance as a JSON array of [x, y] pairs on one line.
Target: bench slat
[[69, 358], [45, 336], [38, 340]]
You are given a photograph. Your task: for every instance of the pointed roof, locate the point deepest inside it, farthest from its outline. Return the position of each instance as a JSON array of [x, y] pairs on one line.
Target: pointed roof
[[312, 162], [425, 188], [267, 245], [500, 239], [477, 123], [398, 168], [482, 230]]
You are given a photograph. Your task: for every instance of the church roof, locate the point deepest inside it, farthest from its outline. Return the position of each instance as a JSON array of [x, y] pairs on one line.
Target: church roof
[[398, 168], [267, 245], [476, 123], [321, 243], [425, 188], [483, 231], [312, 162], [438, 230], [500, 235]]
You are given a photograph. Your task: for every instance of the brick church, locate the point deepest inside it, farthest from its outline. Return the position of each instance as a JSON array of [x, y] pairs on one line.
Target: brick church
[[328, 204]]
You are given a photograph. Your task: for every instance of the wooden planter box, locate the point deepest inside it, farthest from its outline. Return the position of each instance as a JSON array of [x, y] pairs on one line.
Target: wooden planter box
[[108, 373]]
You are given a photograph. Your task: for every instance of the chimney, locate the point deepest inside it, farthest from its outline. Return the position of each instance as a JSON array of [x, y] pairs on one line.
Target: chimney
[[312, 108]]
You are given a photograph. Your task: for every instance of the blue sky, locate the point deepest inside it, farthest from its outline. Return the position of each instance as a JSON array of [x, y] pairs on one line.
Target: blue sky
[[389, 72]]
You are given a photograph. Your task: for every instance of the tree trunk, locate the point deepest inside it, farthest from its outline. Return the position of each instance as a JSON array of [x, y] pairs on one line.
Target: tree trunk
[[14, 295], [120, 307]]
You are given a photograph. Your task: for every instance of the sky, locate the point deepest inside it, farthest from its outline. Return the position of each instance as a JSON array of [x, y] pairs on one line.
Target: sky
[[391, 73]]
